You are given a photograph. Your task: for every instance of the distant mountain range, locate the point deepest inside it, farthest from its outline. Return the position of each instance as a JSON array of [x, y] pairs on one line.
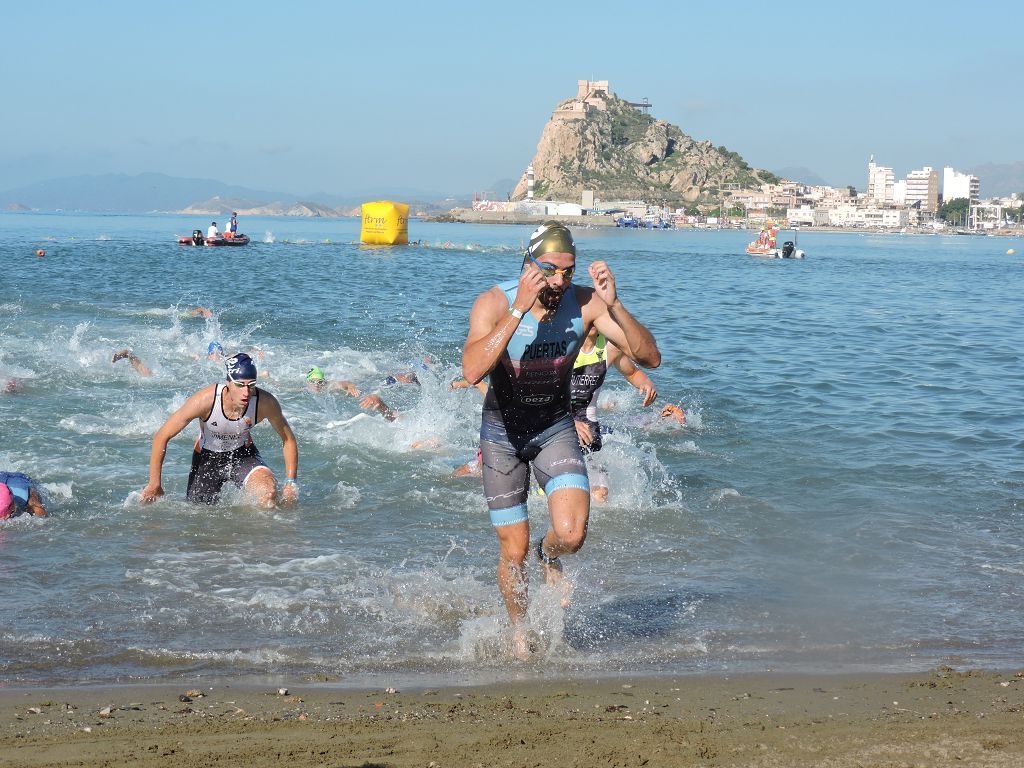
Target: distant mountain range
[[149, 192], [802, 175], [1000, 179]]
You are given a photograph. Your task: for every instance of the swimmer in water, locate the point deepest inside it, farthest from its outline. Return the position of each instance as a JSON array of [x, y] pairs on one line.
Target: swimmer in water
[[133, 359], [317, 383], [225, 451], [18, 494], [588, 376]]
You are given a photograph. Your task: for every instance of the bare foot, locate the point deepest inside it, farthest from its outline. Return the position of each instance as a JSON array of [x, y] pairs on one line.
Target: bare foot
[[523, 644]]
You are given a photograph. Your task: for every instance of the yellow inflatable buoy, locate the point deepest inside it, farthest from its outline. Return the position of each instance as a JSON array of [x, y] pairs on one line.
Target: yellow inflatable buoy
[[385, 223], [1010, 252]]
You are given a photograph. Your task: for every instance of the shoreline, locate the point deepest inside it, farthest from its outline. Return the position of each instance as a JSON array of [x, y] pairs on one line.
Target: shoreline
[[943, 717], [466, 216]]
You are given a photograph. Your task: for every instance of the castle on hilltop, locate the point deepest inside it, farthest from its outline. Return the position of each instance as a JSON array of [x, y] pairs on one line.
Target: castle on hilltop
[[590, 95]]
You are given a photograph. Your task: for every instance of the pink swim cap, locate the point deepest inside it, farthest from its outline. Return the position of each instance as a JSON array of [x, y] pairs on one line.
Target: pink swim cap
[[6, 497]]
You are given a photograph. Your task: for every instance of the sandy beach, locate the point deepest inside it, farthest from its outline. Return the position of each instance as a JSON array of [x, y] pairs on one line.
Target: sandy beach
[[940, 718]]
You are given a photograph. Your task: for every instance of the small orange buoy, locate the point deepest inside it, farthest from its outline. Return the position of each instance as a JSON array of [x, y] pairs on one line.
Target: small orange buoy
[[40, 252]]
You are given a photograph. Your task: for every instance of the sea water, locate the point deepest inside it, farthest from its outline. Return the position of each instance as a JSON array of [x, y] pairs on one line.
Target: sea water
[[846, 493]]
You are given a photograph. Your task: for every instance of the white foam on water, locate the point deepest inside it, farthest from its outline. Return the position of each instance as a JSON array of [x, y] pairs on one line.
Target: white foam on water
[[344, 495], [62, 490], [268, 236], [1003, 569], [261, 657]]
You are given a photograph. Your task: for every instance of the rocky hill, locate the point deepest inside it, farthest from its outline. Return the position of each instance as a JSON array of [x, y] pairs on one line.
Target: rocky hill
[[600, 142]]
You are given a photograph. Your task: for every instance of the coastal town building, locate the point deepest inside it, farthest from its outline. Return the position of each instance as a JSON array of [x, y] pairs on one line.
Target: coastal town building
[[956, 185], [923, 189], [880, 182], [808, 216], [852, 215], [899, 192]]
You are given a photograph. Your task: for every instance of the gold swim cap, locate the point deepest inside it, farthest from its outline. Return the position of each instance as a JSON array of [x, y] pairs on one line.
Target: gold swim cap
[[550, 237]]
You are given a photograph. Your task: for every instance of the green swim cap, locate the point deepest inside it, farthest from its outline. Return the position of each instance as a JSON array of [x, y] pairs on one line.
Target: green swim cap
[[315, 374]]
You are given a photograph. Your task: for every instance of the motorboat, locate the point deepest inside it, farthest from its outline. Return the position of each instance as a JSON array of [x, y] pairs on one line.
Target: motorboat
[[197, 238], [628, 221], [788, 250]]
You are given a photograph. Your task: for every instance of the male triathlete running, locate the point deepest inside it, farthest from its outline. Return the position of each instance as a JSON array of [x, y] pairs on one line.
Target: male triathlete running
[[525, 334], [225, 452]]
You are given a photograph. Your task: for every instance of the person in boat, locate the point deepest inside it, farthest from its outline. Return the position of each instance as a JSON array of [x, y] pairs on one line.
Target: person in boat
[[225, 451], [232, 225], [211, 232], [525, 334], [772, 236], [588, 376], [18, 495], [762, 238]]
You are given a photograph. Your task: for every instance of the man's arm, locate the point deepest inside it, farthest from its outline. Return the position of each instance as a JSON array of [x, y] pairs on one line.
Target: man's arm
[[194, 408], [632, 374], [375, 403], [491, 324], [270, 409], [616, 322], [345, 386], [134, 360]]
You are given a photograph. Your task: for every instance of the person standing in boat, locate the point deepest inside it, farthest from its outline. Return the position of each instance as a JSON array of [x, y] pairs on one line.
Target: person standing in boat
[[232, 225]]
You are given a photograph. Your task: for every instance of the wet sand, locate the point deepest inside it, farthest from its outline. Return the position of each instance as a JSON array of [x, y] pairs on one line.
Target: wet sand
[[940, 718]]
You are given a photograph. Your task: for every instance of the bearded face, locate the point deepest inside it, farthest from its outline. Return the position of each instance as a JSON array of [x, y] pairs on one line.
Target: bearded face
[[549, 297]]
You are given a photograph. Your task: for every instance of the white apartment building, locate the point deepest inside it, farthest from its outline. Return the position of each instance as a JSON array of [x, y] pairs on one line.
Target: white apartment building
[[849, 215], [807, 216], [880, 182], [899, 192], [959, 185], [923, 188]]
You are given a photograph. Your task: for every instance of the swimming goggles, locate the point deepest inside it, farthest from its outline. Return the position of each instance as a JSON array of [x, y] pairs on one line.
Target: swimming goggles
[[549, 270], [244, 384]]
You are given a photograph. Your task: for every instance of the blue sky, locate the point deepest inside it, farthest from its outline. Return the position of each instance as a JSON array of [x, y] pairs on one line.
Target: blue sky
[[450, 97]]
